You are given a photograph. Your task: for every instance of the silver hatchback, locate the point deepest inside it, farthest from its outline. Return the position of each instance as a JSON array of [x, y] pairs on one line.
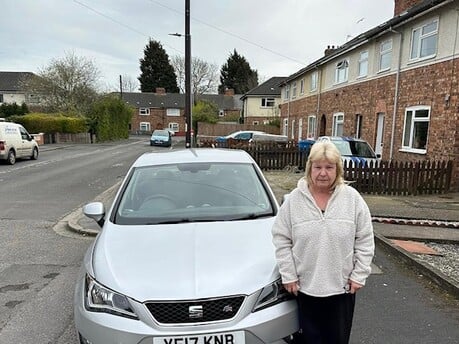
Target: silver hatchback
[[185, 256]]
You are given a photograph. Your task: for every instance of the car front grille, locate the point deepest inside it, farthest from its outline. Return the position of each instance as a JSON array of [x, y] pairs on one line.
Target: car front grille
[[199, 311]]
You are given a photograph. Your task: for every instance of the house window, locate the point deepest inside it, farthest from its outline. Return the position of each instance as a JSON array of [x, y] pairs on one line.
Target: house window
[[294, 90], [293, 129], [287, 92], [385, 55], [341, 71], [311, 127], [363, 64], [1, 98], [221, 113], [416, 128], [314, 80], [173, 112], [358, 126], [144, 126], [255, 123], [285, 127], [424, 41], [338, 121], [144, 111], [174, 127], [302, 86], [267, 102]]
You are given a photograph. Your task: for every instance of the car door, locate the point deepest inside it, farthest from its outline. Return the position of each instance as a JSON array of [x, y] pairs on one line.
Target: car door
[[26, 146]]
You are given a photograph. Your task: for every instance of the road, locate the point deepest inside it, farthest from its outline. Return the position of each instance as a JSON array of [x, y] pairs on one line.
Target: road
[[38, 266]]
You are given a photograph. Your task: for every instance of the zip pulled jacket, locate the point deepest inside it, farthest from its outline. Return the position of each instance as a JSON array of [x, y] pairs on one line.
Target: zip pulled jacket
[[322, 251]]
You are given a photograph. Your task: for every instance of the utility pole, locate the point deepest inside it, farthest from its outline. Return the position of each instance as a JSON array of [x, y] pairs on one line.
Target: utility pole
[[187, 75]]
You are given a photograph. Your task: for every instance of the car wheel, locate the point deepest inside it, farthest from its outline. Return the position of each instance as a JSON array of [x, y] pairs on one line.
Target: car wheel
[[11, 157], [34, 155]]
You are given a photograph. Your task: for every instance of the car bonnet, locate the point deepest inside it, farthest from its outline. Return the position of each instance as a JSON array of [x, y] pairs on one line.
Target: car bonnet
[[186, 261]]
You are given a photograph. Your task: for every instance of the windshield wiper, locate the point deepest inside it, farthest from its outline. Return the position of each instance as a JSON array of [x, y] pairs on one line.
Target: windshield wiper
[[251, 216]]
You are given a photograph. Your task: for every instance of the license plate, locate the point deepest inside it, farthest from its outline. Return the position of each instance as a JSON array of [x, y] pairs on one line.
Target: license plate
[[215, 338]]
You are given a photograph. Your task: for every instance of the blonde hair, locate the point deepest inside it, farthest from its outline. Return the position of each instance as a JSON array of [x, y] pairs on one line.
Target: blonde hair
[[328, 151]]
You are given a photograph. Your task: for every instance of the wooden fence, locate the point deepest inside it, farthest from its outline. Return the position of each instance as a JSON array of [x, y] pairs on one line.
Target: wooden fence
[[383, 177]]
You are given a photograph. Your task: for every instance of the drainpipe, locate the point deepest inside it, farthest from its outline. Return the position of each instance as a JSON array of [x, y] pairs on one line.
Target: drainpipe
[[319, 85], [397, 78]]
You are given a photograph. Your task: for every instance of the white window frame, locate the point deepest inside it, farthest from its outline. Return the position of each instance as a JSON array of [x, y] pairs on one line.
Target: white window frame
[[314, 81], [255, 122], [293, 130], [174, 126], [144, 126], [358, 126], [342, 71], [385, 55], [411, 124], [312, 122], [267, 102], [172, 112], [144, 111], [363, 63], [418, 38], [287, 92], [294, 90], [300, 128], [338, 124], [285, 127], [301, 86]]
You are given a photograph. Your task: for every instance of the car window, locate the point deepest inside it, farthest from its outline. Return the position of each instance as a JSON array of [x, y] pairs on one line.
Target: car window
[[243, 136], [192, 193]]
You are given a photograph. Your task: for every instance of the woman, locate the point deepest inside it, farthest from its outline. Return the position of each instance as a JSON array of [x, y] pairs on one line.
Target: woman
[[324, 247]]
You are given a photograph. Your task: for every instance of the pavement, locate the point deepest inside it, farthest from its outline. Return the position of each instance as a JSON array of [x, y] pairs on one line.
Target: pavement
[[401, 224]]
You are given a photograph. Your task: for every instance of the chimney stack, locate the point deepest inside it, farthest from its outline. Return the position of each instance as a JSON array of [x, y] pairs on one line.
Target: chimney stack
[[229, 92], [160, 90], [403, 5], [330, 49]]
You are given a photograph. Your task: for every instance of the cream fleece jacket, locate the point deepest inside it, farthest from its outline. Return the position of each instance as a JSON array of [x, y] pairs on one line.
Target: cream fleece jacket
[[321, 251]]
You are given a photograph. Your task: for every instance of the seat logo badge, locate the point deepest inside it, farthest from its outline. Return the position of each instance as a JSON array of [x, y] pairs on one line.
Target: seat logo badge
[[195, 312], [227, 309]]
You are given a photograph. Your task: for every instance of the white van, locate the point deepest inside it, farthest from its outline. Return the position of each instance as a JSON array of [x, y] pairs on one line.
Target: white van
[[16, 142]]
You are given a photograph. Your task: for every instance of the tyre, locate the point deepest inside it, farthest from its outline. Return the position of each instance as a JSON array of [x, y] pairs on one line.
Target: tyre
[[34, 155], [11, 157]]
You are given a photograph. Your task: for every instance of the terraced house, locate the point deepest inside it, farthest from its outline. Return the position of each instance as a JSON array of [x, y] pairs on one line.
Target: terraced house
[[395, 86]]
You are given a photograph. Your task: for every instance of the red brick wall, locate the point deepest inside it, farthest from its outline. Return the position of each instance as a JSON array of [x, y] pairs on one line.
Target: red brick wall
[[402, 5], [427, 86], [157, 119]]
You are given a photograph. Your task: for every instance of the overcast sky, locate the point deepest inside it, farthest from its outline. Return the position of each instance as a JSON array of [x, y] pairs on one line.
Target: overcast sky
[[276, 37]]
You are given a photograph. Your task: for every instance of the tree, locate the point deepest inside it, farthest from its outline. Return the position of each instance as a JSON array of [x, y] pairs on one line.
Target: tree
[[68, 84], [156, 70], [129, 84], [204, 111], [204, 78], [237, 74]]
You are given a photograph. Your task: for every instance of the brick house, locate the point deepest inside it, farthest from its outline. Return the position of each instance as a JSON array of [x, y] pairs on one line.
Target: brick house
[[161, 110], [260, 105], [395, 86]]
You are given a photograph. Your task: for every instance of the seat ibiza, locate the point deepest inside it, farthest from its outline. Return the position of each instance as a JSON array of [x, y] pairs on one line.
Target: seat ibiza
[[185, 256]]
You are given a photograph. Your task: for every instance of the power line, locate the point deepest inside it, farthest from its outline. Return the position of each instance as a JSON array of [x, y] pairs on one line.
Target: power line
[[230, 33], [120, 23]]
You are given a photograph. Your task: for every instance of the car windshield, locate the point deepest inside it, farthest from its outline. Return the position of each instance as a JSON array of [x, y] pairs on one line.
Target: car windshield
[[193, 192], [160, 133], [355, 148]]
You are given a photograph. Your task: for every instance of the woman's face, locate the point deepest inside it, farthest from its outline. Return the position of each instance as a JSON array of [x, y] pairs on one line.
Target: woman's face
[[323, 174]]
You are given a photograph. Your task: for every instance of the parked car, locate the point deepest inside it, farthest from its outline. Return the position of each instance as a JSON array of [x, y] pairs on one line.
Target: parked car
[[245, 135], [357, 151], [16, 143], [185, 255], [161, 137]]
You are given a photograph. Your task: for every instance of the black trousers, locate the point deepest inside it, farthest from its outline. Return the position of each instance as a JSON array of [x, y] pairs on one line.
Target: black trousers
[[326, 320]]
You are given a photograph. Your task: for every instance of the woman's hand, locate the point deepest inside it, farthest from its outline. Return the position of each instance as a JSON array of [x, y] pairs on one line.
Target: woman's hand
[[354, 287], [292, 288]]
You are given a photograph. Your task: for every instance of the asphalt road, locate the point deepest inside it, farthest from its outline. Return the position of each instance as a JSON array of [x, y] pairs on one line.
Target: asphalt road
[[38, 266]]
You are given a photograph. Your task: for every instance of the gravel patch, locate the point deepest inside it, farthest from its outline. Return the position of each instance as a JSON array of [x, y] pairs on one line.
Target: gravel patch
[[447, 262]]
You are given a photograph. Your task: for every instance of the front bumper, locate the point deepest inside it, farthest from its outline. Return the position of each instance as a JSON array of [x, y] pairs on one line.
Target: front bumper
[[269, 325]]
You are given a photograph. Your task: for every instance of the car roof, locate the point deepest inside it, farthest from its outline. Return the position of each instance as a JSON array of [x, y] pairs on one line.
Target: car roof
[[339, 138], [192, 155]]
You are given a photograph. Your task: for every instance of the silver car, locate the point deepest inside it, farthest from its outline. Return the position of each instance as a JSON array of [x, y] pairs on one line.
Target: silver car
[[185, 256]]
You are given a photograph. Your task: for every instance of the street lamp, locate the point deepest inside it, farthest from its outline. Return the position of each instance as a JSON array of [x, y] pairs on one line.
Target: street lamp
[[187, 74]]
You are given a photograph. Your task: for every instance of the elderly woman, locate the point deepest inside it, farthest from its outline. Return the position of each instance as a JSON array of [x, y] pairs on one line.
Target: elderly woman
[[324, 247]]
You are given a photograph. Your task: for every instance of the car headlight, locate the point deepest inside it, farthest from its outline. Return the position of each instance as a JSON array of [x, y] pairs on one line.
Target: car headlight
[[101, 299], [271, 295]]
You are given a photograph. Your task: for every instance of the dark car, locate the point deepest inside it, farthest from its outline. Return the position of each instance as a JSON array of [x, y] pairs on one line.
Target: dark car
[[161, 138]]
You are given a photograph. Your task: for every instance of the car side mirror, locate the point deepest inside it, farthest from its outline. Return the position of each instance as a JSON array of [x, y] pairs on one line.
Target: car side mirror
[[95, 211]]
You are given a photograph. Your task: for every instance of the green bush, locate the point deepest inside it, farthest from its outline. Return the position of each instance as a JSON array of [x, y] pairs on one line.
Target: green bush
[[109, 119], [9, 110], [52, 123]]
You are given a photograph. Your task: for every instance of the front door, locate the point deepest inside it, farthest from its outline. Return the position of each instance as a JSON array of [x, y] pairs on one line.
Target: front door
[[379, 134]]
